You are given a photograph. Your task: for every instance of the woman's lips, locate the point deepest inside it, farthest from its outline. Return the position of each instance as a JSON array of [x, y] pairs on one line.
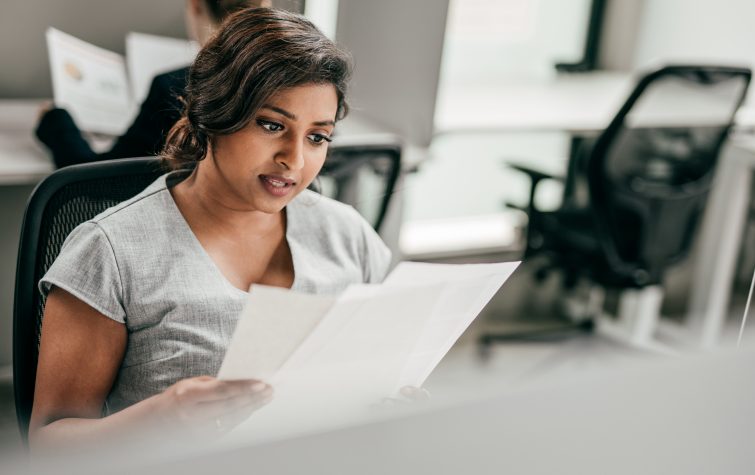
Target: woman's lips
[[277, 185]]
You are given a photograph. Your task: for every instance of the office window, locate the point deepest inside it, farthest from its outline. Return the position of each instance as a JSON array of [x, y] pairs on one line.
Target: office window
[[495, 41]]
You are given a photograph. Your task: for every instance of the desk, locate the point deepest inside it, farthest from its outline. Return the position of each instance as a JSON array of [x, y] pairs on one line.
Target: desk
[[22, 159], [686, 415], [650, 419], [575, 103], [579, 103], [721, 238]]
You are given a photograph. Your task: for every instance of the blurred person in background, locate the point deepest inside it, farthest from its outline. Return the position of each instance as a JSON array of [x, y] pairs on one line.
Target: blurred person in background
[[159, 111]]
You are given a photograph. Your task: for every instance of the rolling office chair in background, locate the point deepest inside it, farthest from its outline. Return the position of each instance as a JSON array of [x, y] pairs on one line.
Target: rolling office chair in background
[[648, 176], [77, 193]]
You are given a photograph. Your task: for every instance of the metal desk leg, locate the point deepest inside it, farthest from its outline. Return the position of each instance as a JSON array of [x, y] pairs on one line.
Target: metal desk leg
[[720, 241]]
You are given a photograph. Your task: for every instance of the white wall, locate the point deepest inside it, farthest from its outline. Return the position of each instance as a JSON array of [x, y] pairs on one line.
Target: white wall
[[715, 31], [23, 52]]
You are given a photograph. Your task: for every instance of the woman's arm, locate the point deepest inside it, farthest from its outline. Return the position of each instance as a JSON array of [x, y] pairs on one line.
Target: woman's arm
[[57, 130], [80, 354]]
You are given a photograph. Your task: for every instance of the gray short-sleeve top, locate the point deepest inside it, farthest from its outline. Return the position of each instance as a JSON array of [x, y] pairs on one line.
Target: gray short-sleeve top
[[140, 264]]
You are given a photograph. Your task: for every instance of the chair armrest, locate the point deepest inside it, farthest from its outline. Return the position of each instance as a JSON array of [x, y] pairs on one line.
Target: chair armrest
[[536, 177]]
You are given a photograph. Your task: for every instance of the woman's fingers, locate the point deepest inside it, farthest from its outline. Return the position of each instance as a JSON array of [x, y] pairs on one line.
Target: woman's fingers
[[217, 390], [199, 403], [206, 389], [251, 400]]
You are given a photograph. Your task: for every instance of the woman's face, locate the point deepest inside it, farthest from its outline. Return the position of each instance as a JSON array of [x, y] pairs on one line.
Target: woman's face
[[280, 151]]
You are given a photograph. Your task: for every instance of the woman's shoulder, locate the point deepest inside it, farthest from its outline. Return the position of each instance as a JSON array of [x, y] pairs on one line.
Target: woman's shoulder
[[144, 208], [335, 228], [323, 211]]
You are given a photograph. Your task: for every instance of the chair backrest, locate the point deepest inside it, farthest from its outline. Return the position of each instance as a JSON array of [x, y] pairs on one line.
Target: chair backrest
[[650, 171], [61, 202]]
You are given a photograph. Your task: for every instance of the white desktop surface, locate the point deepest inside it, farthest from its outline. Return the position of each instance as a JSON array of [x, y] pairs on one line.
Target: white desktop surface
[[570, 102], [22, 158], [573, 102], [690, 416]]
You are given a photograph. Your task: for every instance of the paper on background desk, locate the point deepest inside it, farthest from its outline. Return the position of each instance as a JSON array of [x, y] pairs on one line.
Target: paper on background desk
[[150, 55], [364, 344], [103, 90], [90, 82]]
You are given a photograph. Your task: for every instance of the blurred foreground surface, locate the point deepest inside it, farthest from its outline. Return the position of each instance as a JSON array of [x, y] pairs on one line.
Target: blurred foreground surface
[[638, 414]]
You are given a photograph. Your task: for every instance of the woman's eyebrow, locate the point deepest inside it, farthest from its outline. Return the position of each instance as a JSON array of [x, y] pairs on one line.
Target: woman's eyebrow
[[280, 111], [292, 116]]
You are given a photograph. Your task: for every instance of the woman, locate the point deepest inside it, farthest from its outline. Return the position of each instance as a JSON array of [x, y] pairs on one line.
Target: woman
[[143, 299], [159, 111]]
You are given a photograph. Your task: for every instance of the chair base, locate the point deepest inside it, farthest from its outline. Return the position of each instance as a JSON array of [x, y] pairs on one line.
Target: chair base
[[639, 324]]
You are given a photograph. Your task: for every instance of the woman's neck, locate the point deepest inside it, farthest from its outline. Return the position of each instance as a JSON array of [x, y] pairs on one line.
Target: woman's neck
[[205, 200]]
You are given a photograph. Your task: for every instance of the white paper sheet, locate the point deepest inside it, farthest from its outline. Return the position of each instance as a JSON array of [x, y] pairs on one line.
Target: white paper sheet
[[90, 82], [368, 342], [332, 359], [150, 55], [466, 289], [266, 337], [363, 344]]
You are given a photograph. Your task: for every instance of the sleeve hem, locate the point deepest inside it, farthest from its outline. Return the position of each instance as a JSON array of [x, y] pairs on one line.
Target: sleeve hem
[[46, 284]]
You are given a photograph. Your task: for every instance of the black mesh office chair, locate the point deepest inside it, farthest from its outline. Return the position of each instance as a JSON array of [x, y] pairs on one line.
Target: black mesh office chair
[[361, 173], [648, 177], [65, 199]]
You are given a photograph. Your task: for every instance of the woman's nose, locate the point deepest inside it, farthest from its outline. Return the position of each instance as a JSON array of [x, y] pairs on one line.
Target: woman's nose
[[291, 155]]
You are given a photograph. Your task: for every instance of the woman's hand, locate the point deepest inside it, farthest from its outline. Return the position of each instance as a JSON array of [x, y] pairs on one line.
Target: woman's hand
[[208, 405]]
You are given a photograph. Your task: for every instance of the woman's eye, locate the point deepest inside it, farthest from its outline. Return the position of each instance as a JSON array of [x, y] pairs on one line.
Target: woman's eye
[[319, 138], [270, 126]]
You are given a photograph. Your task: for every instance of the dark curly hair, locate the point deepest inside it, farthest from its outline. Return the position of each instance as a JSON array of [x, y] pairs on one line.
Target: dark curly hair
[[219, 9], [256, 53]]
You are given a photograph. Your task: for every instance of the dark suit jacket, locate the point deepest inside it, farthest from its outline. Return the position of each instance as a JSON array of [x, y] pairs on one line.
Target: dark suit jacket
[[146, 136]]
